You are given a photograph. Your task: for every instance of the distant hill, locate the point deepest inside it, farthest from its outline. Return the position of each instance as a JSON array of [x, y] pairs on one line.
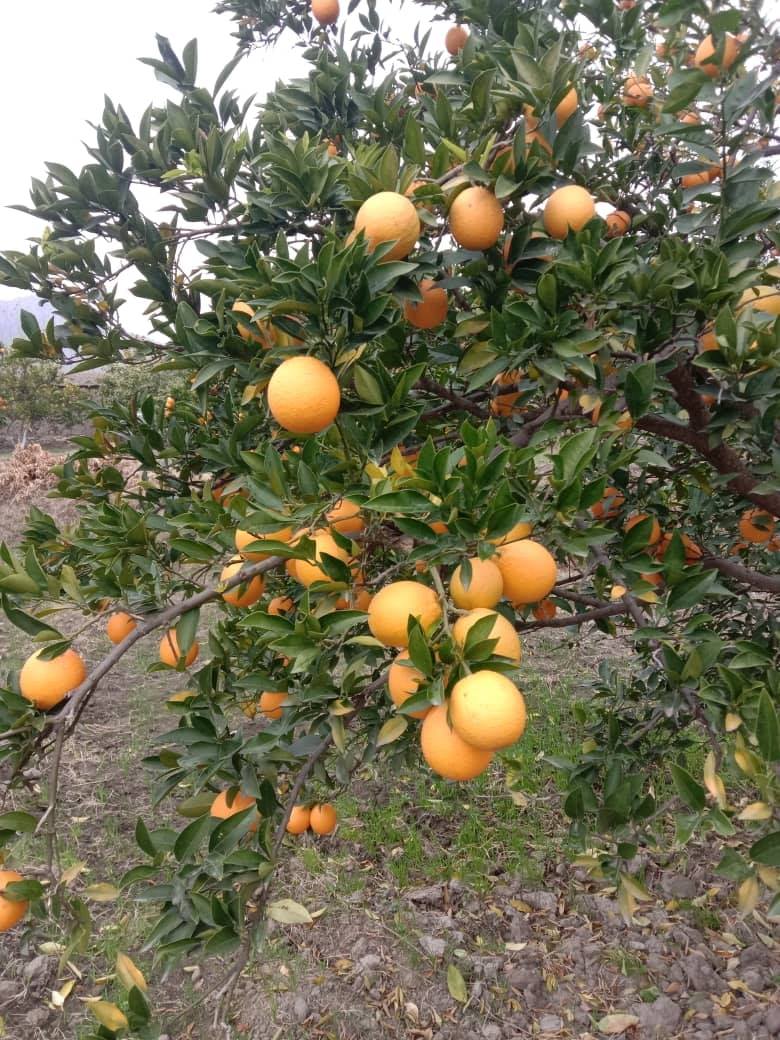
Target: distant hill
[[10, 310]]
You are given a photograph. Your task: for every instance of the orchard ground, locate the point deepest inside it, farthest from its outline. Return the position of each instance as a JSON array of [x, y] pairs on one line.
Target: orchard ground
[[447, 911]]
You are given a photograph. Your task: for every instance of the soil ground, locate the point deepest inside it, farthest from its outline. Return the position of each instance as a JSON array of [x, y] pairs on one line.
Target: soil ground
[[448, 912]]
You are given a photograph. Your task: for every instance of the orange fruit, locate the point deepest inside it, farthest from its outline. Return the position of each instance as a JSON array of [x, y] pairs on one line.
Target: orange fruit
[[280, 605], [306, 573], [446, 752], [46, 683], [508, 644], [707, 340], [11, 911], [169, 650], [652, 578], [637, 92], [431, 310], [476, 218], [346, 517], [119, 626], [485, 588], [522, 529], [389, 216], [361, 598], [694, 180], [707, 50], [304, 395], [392, 607], [487, 710], [402, 682], [246, 594], [299, 820], [764, 298], [528, 569], [326, 12], [566, 108], [618, 222], [636, 518], [264, 335], [270, 703], [244, 538], [323, 818], [609, 506], [545, 610], [456, 39], [691, 118], [221, 810], [692, 551], [568, 209], [757, 526]]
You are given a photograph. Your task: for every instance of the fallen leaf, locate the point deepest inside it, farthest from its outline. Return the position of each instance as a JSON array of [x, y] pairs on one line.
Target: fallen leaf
[[128, 974], [287, 911], [108, 1014], [513, 947], [102, 892], [614, 1025], [59, 996], [456, 984], [72, 872]]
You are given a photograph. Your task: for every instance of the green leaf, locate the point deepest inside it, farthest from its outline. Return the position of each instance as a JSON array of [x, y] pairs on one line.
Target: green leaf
[[692, 793], [21, 822], [414, 145], [400, 502], [686, 87], [368, 387], [186, 630], [144, 839], [767, 850], [767, 729], [391, 730], [456, 985], [640, 381], [732, 866], [200, 552], [26, 622], [27, 889], [191, 837]]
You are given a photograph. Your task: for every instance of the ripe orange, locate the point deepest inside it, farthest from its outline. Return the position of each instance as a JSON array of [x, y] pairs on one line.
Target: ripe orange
[[528, 569], [485, 589], [119, 626], [456, 39], [566, 108], [246, 594], [244, 538], [169, 650], [323, 818], [326, 12], [764, 298], [618, 222], [694, 180], [707, 340], [221, 810], [545, 611], [306, 573], [476, 218], [609, 506], [389, 216], [757, 526], [637, 92], [487, 710], [46, 683], [691, 117], [522, 529], [693, 552], [508, 644], [431, 311], [299, 820], [707, 49], [446, 752], [568, 209], [392, 607], [271, 702], [11, 911], [402, 682], [304, 395], [346, 517], [655, 530], [280, 605], [264, 336]]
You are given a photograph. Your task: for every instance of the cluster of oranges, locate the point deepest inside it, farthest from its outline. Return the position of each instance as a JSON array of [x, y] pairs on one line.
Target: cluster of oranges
[[321, 818]]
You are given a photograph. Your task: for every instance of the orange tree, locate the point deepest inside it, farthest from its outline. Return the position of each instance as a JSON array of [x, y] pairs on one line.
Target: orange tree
[[429, 305]]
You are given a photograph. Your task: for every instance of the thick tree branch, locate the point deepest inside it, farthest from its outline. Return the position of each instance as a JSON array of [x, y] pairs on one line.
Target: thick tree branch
[[732, 569], [567, 620], [449, 395]]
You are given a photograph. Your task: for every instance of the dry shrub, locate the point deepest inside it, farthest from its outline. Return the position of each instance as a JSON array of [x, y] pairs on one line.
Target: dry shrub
[[27, 473]]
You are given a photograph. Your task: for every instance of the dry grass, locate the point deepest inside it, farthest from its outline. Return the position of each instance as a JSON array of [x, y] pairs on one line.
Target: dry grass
[[27, 473]]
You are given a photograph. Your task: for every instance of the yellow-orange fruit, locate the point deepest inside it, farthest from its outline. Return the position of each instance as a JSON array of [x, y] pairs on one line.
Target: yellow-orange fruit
[[691, 118], [346, 517], [306, 573], [246, 594], [389, 216], [508, 644], [361, 598], [169, 650], [618, 222], [545, 611], [431, 310], [522, 529], [11, 911], [707, 340], [326, 12], [707, 50], [637, 92], [609, 506], [476, 218], [764, 298], [264, 335], [323, 818], [280, 605], [299, 820], [304, 395], [392, 607], [244, 538], [456, 39], [271, 701], [485, 588], [568, 209], [528, 569], [221, 810], [403, 681], [566, 108], [652, 578], [693, 552], [637, 518], [446, 752], [487, 710], [119, 626], [757, 526], [694, 180], [46, 683]]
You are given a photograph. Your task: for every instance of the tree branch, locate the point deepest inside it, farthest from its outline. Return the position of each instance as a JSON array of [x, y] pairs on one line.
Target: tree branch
[[732, 569], [566, 621], [449, 395]]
